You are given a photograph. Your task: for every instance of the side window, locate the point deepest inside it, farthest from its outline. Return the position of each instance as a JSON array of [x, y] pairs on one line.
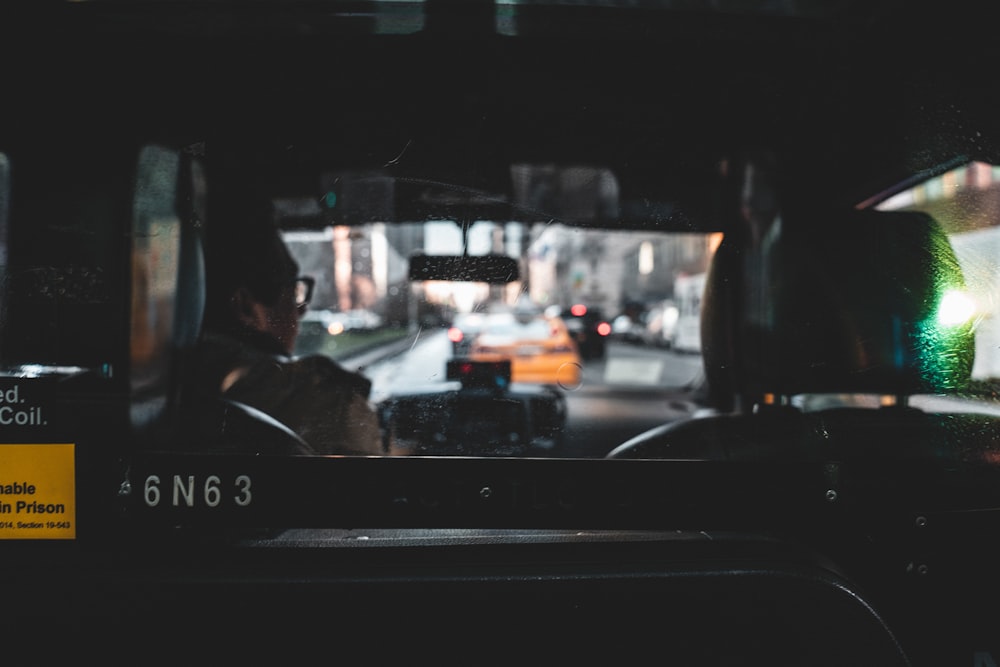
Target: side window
[[4, 197], [166, 269], [155, 252], [966, 201]]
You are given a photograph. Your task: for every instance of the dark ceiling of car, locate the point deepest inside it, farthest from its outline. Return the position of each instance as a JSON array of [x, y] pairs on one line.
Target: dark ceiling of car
[[856, 98]]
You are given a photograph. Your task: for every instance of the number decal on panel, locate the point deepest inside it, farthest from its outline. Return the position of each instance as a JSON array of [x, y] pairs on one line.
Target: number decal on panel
[[189, 491]]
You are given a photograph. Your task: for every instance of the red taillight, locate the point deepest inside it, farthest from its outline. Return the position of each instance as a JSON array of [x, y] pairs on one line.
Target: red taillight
[[578, 310], [604, 329], [455, 335]]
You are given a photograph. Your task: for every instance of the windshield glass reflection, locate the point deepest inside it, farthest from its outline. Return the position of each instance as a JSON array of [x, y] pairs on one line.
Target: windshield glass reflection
[[603, 325]]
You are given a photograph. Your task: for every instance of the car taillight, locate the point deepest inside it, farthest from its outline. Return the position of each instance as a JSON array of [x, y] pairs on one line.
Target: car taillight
[[488, 374], [604, 329], [455, 335]]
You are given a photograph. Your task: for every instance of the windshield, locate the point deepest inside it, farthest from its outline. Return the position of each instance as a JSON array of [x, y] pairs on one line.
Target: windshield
[[553, 323]]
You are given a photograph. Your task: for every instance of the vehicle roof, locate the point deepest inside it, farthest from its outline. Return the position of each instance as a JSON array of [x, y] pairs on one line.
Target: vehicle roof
[[857, 97]]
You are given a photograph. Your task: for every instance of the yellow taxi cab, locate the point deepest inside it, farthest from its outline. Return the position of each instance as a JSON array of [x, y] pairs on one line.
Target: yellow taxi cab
[[540, 348]]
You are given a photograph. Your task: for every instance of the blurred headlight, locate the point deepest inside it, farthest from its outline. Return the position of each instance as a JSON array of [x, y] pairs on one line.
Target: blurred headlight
[[956, 308]]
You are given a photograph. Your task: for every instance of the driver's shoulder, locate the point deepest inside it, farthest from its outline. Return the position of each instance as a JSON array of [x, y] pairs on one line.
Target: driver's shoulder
[[322, 370]]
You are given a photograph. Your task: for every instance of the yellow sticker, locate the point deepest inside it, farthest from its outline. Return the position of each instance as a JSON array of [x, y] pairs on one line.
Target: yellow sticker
[[38, 492]]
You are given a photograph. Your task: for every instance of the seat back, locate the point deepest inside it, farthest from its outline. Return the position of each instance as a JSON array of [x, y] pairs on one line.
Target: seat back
[[848, 304]]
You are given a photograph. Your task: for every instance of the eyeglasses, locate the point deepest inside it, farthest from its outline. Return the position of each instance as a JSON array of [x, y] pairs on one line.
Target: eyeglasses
[[303, 291]]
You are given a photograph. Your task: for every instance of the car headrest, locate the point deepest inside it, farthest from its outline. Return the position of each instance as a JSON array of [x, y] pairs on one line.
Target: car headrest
[[860, 302]]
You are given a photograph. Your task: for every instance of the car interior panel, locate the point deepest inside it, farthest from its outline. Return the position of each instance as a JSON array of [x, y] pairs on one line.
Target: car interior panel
[[670, 331]]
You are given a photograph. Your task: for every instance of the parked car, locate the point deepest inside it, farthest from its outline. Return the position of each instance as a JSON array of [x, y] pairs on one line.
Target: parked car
[[361, 319], [628, 329], [661, 324], [334, 323], [320, 321]]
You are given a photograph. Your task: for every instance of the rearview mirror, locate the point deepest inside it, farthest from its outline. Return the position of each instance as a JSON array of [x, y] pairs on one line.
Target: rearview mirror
[[492, 269]]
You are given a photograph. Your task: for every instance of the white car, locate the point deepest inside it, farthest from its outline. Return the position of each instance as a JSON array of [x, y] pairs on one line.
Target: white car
[[661, 324]]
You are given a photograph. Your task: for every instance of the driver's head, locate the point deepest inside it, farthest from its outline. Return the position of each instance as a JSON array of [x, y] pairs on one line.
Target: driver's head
[[251, 280]]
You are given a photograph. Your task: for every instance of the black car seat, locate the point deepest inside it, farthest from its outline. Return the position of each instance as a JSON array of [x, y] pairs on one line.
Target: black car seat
[[168, 306], [845, 305]]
